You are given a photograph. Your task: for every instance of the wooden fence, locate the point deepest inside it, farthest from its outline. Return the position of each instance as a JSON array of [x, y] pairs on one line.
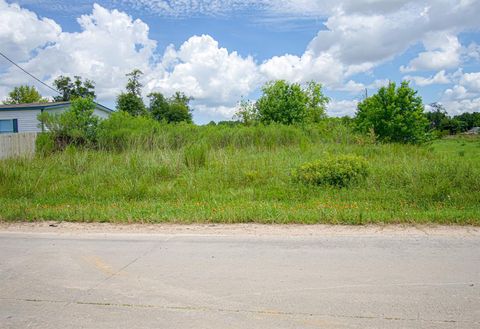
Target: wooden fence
[[17, 145]]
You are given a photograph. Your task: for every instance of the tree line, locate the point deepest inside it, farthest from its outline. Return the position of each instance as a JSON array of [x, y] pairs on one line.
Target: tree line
[[393, 114], [169, 109]]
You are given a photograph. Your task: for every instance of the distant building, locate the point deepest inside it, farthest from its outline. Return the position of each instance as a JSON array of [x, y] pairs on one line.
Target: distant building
[[473, 131], [23, 117]]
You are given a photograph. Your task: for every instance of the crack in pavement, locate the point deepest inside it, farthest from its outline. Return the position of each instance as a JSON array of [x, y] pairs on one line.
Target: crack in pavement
[[233, 310], [99, 283]]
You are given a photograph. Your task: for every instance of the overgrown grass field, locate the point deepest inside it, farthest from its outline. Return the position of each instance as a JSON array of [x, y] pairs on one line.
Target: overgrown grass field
[[216, 174]]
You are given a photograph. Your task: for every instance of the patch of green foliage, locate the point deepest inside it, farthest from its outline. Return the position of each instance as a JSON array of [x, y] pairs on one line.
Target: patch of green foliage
[[285, 103], [443, 124], [394, 115], [70, 89], [131, 100], [24, 94], [338, 171], [171, 110], [77, 126], [122, 132]]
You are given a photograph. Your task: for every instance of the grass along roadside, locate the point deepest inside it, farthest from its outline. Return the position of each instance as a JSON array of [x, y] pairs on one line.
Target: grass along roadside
[[433, 183]]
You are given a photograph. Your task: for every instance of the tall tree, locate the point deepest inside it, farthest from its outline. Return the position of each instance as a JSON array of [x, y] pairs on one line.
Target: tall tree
[[394, 114], [131, 101], [133, 85], [24, 94], [73, 89]]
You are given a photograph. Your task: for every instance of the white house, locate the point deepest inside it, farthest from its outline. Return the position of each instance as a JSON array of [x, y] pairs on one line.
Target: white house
[[23, 117]]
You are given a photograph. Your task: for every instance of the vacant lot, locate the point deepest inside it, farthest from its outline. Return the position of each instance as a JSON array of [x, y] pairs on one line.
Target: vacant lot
[[216, 180]]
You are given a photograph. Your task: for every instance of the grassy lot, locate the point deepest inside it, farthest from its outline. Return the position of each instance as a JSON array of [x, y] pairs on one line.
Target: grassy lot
[[235, 182]]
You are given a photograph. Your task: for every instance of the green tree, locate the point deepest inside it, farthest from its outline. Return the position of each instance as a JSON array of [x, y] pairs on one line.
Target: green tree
[[133, 85], [131, 101], [73, 89], [174, 109], [24, 94], [394, 114], [286, 103]]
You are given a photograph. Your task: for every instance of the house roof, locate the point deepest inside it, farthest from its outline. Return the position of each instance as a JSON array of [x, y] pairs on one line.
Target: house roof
[[40, 106]]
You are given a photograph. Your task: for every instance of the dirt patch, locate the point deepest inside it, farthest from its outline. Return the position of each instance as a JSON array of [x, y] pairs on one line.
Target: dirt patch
[[67, 228]]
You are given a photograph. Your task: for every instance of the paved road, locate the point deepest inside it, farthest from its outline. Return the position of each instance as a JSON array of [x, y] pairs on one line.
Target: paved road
[[233, 281]]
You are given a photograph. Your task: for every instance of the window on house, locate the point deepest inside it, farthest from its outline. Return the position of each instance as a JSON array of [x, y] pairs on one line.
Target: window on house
[[8, 126]]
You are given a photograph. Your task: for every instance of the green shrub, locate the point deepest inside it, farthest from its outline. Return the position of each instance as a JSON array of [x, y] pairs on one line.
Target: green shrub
[[77, 125], [338, 171], [195, 155]]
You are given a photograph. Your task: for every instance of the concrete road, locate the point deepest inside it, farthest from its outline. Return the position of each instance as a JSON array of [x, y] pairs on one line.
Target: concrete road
[[120, 280]]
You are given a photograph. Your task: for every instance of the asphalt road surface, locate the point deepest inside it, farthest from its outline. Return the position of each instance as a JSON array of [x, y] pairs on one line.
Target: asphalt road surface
[[178, 280]]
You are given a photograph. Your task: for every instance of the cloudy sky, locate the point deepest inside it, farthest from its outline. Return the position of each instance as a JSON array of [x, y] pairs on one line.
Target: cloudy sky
[[219, 51]]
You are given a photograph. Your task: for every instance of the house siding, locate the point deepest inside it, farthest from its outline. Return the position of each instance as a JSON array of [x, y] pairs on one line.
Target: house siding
[[27, 119], [101, 114], [28, 122]]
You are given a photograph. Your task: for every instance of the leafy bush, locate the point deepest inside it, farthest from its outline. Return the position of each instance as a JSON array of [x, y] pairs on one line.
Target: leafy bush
[[77, 125], [338, 171]]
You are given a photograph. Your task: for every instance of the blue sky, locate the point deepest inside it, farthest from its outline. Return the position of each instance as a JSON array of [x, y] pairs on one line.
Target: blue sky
[[220, 51]]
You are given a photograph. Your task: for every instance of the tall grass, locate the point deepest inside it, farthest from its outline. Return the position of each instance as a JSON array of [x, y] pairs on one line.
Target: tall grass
[[123, 132], [195, 155], [223, 174]]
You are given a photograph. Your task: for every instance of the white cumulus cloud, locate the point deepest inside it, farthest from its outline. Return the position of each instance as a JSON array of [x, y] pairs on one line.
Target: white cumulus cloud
[[439, 78], [204, 70], [339, 108], [464, 96], [443, 52], [22, 31]]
